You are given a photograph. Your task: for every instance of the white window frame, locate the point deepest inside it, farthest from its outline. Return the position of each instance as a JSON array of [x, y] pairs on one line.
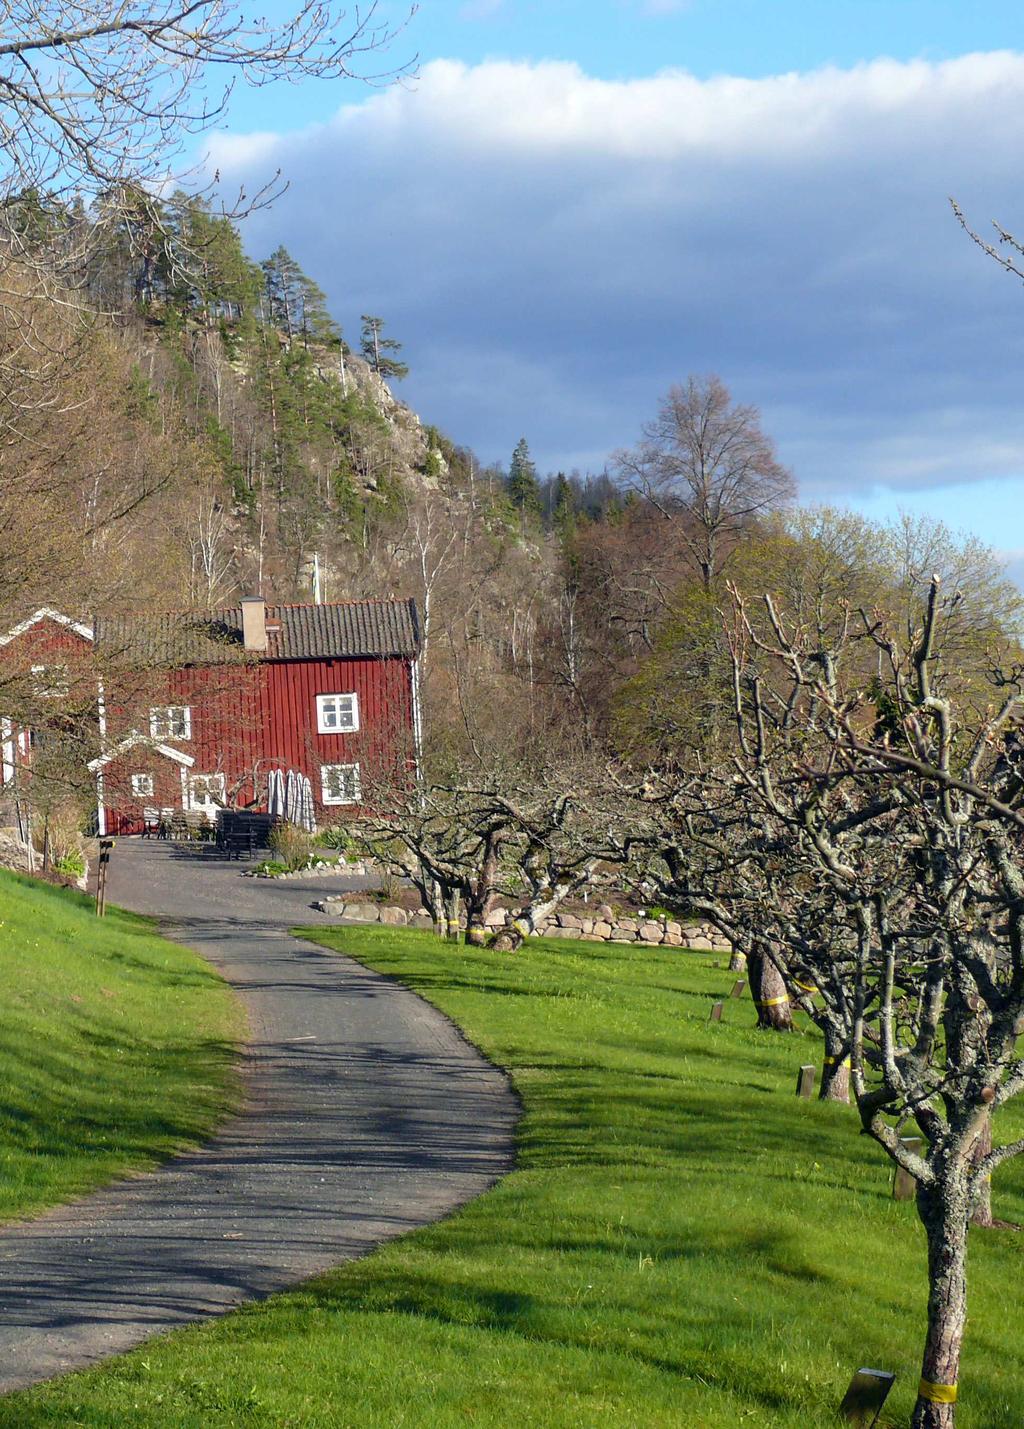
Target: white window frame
[[326, 702], [162, 719], [205, 806], [52, 681], [142, 786], [327, 796]]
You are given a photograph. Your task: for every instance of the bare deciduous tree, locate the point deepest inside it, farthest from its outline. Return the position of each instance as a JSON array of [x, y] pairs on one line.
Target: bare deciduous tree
[[891, 832], [705, 464], [98, 94]]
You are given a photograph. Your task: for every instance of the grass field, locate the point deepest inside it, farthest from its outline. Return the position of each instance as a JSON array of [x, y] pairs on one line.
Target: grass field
[[684, 1243], [116, 1046]]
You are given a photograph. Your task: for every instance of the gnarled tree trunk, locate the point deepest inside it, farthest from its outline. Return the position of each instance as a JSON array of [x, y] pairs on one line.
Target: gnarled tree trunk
[[944, 1212], [480, 899], [835, 1070], [768, 990], [452, 910], [526, 923]]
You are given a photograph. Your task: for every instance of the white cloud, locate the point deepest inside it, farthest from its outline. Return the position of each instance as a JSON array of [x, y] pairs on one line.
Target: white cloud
[[555, 249]]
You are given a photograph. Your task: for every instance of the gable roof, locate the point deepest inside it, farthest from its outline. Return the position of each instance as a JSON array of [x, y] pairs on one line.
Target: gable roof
[[45, 613], [348, 629], [134, 739]]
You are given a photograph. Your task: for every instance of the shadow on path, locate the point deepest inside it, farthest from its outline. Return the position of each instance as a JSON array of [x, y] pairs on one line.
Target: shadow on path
[[366, 1115]]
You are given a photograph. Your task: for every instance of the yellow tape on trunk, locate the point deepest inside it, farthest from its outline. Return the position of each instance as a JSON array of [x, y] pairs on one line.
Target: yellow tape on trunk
[[773, 1002], [805, 986], [831, 1061], [937, 1393]]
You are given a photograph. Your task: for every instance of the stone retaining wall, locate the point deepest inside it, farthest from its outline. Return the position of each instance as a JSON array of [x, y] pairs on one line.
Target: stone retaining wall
[[603, 927], [318, 870]]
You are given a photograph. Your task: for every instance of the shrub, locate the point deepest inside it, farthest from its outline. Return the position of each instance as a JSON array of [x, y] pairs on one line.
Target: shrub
[[71, 864], [62, 829], [293, 846], [337, 837], [389, 888], [270, 868]]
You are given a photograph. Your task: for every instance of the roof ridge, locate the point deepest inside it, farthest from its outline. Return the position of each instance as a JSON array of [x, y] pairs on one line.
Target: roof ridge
[[270, 604]]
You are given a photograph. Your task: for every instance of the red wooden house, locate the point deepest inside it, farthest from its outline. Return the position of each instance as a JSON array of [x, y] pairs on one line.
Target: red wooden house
[[46, 666], [241, 706]]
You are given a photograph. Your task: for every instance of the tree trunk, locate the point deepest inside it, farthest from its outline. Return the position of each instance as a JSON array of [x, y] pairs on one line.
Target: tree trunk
[[514, 934], [451, 917], [943, 1211], [738, 961], [835, 1070], [511, 937], [481, 899], [537, 911], [768, 990], [443, 905]]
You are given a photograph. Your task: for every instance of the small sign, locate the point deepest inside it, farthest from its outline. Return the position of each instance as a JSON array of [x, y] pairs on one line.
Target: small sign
[[904, 1186], [805, 1081], [716, 1012], [868, 1391]]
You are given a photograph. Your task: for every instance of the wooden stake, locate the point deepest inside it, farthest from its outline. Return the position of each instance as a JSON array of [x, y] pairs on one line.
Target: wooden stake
[[101, 877], [737, 988], [716, 1012], [805, 1081]]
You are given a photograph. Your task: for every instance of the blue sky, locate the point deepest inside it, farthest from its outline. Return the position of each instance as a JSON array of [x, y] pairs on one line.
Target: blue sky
[[576, 204]]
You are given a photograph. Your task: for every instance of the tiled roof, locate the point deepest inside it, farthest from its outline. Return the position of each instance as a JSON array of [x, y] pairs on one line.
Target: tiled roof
[[294, 632]]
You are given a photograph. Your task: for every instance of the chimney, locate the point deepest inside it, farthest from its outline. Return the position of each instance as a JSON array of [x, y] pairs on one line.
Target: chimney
[[254, 623]]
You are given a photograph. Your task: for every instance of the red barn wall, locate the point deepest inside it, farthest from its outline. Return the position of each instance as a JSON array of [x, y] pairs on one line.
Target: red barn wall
[[249, 719], [125, 810], [384, 688], [53, 645], [40, 643]]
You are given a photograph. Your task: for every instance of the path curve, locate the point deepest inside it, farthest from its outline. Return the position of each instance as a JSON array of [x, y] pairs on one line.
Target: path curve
[[367, 1115]]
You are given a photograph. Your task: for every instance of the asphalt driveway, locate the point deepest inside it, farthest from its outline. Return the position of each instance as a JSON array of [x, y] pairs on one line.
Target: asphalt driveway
[[367, 1115]]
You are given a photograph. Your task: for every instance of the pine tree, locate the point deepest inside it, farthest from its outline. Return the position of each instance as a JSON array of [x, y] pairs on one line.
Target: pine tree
[[316, 322], [564, 513], [523, 486], [375, 349], [282, 276]]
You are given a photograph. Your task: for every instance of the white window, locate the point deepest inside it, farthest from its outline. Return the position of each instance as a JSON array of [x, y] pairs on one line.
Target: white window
[[142, 786], [51, 681], [206, 792], [339, 783], [170, 722], [337, 714]]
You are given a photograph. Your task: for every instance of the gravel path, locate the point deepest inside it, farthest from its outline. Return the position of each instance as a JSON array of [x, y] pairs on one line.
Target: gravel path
[[367, 1115]]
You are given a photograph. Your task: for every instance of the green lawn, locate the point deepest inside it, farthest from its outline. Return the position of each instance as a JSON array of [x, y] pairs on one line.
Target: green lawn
[[116, 1046], [684, 1243]]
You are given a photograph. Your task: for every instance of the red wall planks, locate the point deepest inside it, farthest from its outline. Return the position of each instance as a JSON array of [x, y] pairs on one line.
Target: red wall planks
[[249, 719]]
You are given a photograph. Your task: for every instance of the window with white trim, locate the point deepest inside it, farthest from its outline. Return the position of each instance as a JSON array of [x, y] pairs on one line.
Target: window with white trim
[[170, 722], [51, 681], [337, 714], [206, 792], [339, 783], [142, 786]]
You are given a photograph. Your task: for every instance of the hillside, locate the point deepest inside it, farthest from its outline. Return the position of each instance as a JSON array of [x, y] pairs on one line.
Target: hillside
[[201, 428]]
